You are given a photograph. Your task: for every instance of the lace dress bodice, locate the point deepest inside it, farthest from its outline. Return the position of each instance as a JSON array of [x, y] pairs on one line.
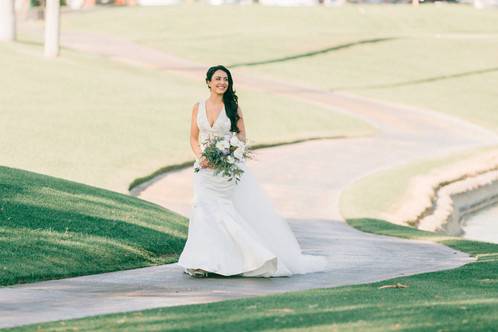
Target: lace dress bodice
[[221, 125]]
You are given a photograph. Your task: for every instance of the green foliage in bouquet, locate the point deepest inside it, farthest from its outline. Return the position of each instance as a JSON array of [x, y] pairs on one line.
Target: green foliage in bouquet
[[224, 154]]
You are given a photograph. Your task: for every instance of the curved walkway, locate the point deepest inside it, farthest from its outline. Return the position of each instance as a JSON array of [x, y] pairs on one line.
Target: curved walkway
[[304, 181]]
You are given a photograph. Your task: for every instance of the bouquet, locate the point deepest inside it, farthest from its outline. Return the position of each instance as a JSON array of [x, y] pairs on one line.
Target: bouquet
[[224, 154]]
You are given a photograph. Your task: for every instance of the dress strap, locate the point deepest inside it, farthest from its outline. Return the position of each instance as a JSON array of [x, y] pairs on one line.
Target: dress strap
[[200, 111]]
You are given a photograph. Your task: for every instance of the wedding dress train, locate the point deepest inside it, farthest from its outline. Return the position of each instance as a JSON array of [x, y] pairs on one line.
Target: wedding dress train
[[233, 229]]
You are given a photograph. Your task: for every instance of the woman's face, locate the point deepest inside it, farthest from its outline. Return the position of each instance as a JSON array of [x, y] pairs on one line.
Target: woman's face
[[219, 82]]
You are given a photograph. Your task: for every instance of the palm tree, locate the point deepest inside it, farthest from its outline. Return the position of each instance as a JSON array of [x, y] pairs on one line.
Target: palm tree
[[52, 28], [7, 20]]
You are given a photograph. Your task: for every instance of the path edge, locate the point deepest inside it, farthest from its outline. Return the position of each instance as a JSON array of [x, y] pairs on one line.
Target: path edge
[[138, 185]]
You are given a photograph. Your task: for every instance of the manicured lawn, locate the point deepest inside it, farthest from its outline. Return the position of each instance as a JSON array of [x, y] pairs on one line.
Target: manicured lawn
[[462, 299], [415, 67], [442, 57], [52, 228], [103, 123]]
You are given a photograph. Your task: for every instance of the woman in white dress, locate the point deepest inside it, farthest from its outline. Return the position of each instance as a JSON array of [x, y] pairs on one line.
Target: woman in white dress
[[233, 229]]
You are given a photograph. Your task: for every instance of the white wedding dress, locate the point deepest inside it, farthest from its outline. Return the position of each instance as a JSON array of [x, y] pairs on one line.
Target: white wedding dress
[[233, 229]]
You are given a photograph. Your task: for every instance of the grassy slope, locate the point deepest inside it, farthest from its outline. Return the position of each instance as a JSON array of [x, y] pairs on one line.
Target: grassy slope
[[102, 123], [441, 57], [52, 228]]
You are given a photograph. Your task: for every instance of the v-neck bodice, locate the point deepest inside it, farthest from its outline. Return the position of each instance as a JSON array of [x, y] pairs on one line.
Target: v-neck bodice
[[220, 127]]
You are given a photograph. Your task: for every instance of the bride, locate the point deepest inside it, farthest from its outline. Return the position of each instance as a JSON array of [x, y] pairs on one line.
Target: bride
[[233, 229]]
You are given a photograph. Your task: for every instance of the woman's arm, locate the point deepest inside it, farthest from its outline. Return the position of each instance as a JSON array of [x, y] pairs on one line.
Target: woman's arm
[[194, 133], [240, 125]]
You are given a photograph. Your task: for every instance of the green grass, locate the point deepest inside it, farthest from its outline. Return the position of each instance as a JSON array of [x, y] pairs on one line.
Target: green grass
[[99, 122], [52, 228], [192, 31], [462, 299], [441, 57]]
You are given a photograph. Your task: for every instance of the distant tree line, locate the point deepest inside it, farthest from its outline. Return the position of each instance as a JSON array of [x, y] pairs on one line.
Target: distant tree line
[[36, 3]]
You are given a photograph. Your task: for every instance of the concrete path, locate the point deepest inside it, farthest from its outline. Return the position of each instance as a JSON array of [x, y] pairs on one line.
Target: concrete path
[[351, 261], [306, 193]]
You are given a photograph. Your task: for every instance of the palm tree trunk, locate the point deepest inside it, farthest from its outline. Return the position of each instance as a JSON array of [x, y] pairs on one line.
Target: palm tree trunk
[[7, 20], [52, 28]]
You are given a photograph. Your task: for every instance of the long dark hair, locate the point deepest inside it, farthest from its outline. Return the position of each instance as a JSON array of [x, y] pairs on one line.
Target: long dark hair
[[230, 99]]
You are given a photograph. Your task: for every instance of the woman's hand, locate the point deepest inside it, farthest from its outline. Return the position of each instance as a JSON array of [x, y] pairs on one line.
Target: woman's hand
[[204, 163]]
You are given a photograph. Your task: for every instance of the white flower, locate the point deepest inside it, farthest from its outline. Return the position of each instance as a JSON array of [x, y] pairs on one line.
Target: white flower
[[222, 145], [230, 160], [239, 154], [234, 141]]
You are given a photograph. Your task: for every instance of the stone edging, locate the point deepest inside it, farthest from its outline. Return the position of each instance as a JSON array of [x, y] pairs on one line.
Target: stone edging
[[459, 199], [440, 200]]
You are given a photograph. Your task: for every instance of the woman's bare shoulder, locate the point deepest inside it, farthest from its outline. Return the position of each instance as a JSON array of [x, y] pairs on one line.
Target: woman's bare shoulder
[[195, 108]]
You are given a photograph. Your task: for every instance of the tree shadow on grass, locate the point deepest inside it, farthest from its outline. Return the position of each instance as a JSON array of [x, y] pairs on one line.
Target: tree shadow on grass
[[29, 255], [43, 218], [51, 228], [313, 53], [419, 81], [37, 201]]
